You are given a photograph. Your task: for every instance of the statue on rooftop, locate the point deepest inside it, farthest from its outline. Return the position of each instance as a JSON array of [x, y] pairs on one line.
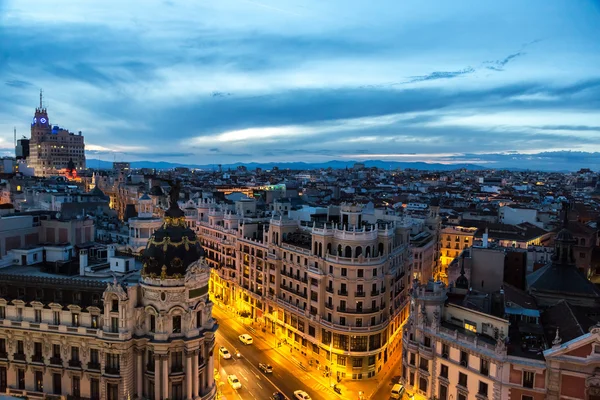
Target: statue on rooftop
[[174, 193]]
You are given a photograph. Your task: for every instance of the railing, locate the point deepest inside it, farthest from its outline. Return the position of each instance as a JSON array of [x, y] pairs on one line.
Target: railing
[[3, 354], [93, 365], [329, 290], [176, 369], [19, 357], [112, 371], [374, 292], [75, 363], [56, 361], [358, 310], [37, 358], [294, 291], [342, 293], [359, 294], [329, 306], [150, 367]]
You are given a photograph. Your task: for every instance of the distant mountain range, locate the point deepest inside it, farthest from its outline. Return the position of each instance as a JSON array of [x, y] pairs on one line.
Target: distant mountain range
[[100, 164]]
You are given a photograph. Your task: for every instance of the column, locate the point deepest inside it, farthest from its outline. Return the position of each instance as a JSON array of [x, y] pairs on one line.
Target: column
[[165, 377], [140, 375], [157, 379], [188, 377], [196, 388], [210, 373]]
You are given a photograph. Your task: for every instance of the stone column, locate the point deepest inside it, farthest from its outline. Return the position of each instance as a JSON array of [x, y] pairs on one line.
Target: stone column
[[157, 379], [140, 376], [189, 380], [210, 376], [165, 377], [196, 387]]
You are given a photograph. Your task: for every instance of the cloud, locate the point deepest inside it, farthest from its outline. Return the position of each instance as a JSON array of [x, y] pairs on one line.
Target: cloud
[[441, 75], [18, 84]]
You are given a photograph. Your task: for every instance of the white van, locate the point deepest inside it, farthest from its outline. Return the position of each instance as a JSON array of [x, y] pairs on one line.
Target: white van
[[397, 391]]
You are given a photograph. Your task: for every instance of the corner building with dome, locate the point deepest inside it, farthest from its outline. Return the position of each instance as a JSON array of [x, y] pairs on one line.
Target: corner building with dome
[[108, 332]]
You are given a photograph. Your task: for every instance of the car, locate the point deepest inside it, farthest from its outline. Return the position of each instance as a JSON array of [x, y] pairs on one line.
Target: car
[[265, 368], [246, 339], [397, 391], [277, 396], [301, 395], [223, 352], [234, 382]]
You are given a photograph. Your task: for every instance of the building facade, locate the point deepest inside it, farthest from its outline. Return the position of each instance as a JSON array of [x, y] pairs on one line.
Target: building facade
[[334, 291], [110, 332], [52, 148]]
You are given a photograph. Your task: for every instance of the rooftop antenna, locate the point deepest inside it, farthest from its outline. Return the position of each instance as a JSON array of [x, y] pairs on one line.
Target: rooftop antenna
[[41, 91]]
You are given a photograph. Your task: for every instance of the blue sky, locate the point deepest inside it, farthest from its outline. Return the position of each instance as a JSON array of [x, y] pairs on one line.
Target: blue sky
[[210, 81]]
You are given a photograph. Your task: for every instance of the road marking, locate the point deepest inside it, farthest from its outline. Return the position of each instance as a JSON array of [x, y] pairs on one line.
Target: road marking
[[258, 384]]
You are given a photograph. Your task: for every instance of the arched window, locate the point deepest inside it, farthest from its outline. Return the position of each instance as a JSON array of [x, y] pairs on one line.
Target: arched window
[[368, 252], [339, 252], [328, 248], [380, 249], [316, 248], [358, 251], [320, 249], [348, 252]]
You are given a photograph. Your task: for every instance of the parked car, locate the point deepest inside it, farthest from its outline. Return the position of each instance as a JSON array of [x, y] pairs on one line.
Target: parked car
[[234, 382], [223, 352], [301, 395], [397, 391], [265, 368], [246, 339]]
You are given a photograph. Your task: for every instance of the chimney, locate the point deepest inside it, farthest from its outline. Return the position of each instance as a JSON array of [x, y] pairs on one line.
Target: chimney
[[485, 238], [83, 262]]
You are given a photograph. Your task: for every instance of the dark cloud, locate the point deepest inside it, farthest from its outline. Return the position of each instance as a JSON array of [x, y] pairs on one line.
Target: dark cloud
[[441, 75], [499, 65], [18, 84]]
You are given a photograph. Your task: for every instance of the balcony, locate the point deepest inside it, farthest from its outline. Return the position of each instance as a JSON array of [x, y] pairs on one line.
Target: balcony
[[75, 363], [374, 292], [177, 369], [37, 358], [358, 310], [150, 367], [115, 371], [329, 306], [3, 355], [94, 365], [56, 361], [342, 293], [294, 291], [19, 357], [359, 294], [329, 290]]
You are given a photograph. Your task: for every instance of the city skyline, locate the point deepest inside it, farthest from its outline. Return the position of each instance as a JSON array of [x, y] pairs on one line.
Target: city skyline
[[257, 81]]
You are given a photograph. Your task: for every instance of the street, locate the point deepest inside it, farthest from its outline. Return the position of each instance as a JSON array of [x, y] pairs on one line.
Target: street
[[287, 376]]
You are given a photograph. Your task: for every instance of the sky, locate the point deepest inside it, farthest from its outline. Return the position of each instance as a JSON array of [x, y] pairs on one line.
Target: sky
[[224, 81]]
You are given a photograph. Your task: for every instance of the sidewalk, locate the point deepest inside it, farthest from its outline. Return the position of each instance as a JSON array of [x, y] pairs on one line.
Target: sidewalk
[[350, 389]]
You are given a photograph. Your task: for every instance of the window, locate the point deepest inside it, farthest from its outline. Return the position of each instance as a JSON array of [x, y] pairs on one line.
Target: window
[[412, 359], [114, 325], [95, 321], [483, 389], [177, 324], [2, 312], [360, 273], [75, 386], [422, 384], [112, 391], [411, 380], [94, 356], [471, 326], [528, 377], [21, 378], [342, 320], [38, 316], [20, 347], [57, 383], [115, 305], [56, 317], [484, 368], [461, 396], [177, 389], [524, 397], [427, 341], [75, 353], [341, 360], [344, 272], [177, 361], [371, 360], [39, 381], [423, 364], [581, 255], [443, 393], [358, 343], [311, 330], [20, 314], [462, 379], [374, 272], [199, 322], [95, 388], [152, 323], [112, 362], [464, 358], [444, 371], [75, 319], [445, 350], [359, 322], [357, 362]]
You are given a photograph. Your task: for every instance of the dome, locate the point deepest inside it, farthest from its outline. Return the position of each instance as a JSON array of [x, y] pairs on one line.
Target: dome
[[564, 235], [173, 247]]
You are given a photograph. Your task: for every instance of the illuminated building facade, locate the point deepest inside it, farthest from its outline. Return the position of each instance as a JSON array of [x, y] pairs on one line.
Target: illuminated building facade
[[337, 288], [105, 331], [452, 241], [51, 148]]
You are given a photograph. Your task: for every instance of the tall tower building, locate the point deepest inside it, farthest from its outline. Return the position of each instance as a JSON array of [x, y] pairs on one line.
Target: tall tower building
[[51, 148]]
